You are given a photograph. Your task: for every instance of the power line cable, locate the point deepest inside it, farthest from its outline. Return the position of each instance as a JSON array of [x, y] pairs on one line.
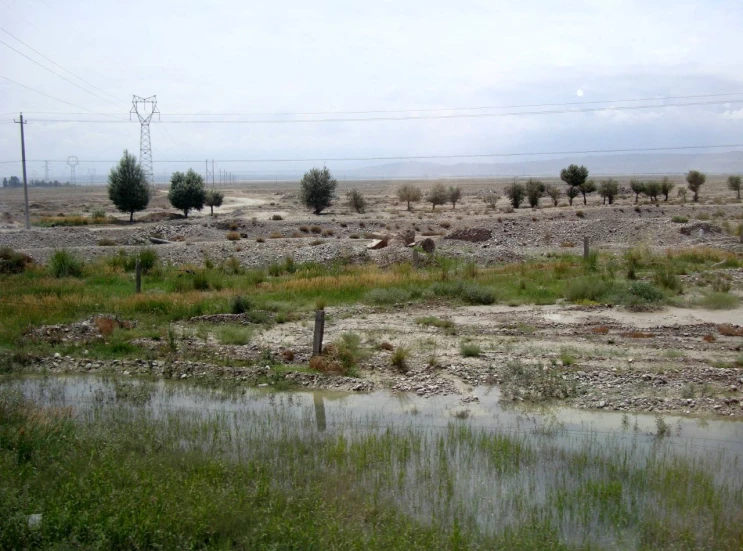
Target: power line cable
[[481, 108], [59, 100], [420, 157], [57, 74], [55, 63], [664, 98], [406, 118]]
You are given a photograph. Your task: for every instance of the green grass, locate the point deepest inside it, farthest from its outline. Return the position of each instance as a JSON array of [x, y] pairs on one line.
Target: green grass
[[230, 334], [718, 301], [123, 475], [449, 327], [470, 350]]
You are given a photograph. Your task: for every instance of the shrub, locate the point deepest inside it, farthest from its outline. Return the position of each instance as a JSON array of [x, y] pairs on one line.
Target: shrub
[[260, 240], [470, 350], [233, 236], [356, 200], [719, 301], [438, 195], [400, 356], [348, 350], [327, 233], [65, 264], [148, 259], [316, 229], [589, 288], [666, 278], [12, 262], [534, 383], [471, 293], [240, 304], [515, 193], [304, 229], [213, 198], [106, 242], [730, 330], [695, 180], [98, 214], [580, 214], [433, 321], [641, 295], [387, 296], [277, 217], [680, 219], [232, 226]]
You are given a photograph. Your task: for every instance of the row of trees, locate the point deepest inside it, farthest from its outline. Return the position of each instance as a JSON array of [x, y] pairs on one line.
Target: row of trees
[[130, 192], [15, 181]]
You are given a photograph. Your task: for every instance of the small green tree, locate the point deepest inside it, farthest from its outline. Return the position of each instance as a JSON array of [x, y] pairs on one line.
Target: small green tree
[[734, 184], [409, 194], [534, 191], [652, 190], [572, 193], [317, 189], [438, 195], [127, 186], [575, 177], [187, 191], [589, 186], [455, 194], [553, 192], [637, 187], [213, 198], [696, 180], [608, 190], [515, 193], [666, 187], [356, 200]]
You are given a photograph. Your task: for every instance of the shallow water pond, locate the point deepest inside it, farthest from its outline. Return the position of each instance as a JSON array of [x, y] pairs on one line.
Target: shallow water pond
[[603, 478]]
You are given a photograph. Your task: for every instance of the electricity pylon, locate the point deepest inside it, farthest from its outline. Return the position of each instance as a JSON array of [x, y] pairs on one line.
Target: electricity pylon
[[145, 108], [73, 162]]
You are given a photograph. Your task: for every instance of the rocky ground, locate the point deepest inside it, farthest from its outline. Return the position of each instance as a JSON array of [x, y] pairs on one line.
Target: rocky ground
[[677, 360]]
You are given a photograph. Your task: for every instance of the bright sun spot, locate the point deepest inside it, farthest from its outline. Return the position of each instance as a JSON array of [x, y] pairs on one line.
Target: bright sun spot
[[579, 93]]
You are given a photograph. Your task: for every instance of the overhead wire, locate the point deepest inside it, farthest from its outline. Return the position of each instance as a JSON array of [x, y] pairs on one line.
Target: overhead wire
[[55, 63], [57, 74], [421, 157], [89, 111], [407, 118]]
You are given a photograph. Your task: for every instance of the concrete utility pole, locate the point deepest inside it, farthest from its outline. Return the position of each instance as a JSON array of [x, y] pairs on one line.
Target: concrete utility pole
[[23, 160]]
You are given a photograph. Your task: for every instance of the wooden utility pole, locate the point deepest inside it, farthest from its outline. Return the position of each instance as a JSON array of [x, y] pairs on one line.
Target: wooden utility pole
[[23, 159], [319, 331]]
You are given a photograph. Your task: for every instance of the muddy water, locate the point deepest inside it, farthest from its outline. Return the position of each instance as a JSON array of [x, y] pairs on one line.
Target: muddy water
[[394, 409], [444, 473]]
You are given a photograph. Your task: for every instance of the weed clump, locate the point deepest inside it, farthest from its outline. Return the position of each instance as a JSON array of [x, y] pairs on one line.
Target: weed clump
[[12, 262], [240, 304], [387, 296], [535, 383], [64, 264], [471, 293], [680, 219], [470, 350], [400, 357], [719, 301], [233, 236]]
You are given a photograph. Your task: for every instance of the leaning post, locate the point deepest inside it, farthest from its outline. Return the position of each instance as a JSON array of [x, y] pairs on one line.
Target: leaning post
[[319, 331], [138, 276]]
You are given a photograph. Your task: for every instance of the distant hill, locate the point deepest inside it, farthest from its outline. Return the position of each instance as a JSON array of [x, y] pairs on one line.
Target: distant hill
[[622, 164]]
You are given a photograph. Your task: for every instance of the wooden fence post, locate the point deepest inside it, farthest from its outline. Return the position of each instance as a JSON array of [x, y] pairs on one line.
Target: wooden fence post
[[138, 276], [415, 259], [319, 331], [585, 248]]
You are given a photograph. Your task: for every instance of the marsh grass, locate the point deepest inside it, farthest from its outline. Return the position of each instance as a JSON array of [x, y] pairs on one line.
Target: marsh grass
[[137, 477]]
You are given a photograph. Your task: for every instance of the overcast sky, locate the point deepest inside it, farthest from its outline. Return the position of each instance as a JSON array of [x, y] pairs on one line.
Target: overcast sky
[[298, 56]]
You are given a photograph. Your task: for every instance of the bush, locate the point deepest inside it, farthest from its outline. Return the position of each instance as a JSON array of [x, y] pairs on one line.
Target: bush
[[470, 350], [65, 264], [277, 217], [471, 293], [356, 200], [680, 219], [233, 236], [589, 288], [98, 214], [12, 262], [106, 242], [400, 356], [719, 301], [316, 229], [240, 305], [666, 278], [387, 296]]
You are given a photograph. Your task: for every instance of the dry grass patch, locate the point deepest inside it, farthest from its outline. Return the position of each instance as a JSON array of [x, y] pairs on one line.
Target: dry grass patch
[[730, 330], [600, 330], [637, 335]]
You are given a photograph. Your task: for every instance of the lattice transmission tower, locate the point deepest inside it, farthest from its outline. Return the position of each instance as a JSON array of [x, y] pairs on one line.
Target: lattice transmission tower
[[145, 108], [73, 162]]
